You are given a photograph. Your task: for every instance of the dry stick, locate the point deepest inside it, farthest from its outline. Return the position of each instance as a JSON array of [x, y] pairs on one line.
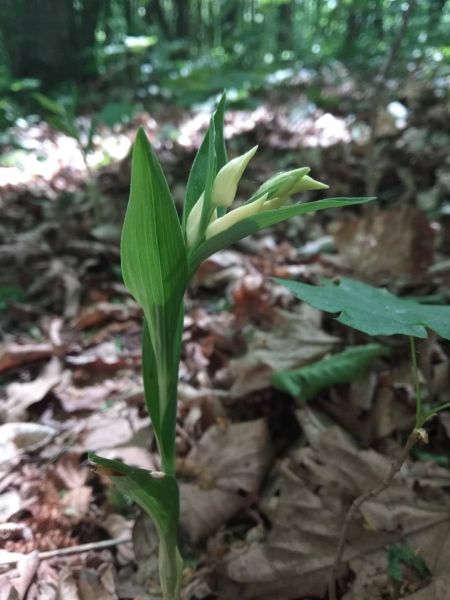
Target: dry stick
[[415, 436], [74, 549]]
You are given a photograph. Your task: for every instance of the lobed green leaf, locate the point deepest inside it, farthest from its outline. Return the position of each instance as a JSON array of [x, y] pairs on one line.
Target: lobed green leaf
[[374, 311]]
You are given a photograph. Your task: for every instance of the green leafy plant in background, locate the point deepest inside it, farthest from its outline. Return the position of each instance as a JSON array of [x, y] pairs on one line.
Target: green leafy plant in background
[[160, 253], [401, 555], [343, 367], [62, 115], [376, 312]]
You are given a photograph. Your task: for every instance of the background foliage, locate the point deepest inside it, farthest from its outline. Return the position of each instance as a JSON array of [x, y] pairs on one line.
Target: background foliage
[[188, 49]]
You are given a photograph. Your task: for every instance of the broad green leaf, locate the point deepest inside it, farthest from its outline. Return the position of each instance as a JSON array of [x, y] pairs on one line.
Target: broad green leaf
[[159, 497], [260, 221], [374, 311], [210, 157], [344, 367], [154, 269]]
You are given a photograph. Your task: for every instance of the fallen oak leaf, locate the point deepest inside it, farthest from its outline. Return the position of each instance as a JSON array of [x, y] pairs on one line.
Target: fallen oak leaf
[[19, 396], [231, 463], [394, 244], [295, 556]]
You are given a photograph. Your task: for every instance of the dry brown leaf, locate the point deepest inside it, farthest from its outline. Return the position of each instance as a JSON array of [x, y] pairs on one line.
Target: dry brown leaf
[[132, 455], [16, 583], [90, 397], [87, 584], [99, 313], [395, 244], [14, 355], [110, 428], [145, 546], [10, 503], [221, 268], [69, 471], [372, 579], [230, 463], [17, 438], [19, 396], [294, 340], [317, 486], [76, 502], [104, 356]]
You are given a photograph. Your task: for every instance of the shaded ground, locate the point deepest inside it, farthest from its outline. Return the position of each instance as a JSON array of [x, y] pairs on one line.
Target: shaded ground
[[266, 478]]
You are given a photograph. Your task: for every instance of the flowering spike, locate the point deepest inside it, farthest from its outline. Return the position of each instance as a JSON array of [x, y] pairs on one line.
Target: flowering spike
[[234, 216], [227, 179]]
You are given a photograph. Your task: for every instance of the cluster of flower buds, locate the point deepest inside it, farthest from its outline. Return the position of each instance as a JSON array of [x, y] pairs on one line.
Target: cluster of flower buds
[[272, 194]]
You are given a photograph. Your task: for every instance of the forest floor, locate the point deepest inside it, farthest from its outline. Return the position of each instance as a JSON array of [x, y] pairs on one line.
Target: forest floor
[[266, 478]]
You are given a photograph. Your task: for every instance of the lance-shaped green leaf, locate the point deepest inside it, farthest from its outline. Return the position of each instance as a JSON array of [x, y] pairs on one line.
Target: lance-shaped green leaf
[[374, 311], [210, 157], [154, 268], [259, 221], [344, 367], [158, 495]]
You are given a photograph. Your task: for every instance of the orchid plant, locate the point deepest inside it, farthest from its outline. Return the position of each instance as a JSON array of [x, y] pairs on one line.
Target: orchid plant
[[160, 253]]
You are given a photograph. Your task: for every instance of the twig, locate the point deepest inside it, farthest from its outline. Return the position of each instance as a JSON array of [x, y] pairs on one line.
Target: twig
[[415, 436], [73, 549]]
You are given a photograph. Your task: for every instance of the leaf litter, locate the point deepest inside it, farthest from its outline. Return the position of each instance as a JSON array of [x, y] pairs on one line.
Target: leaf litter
[[265, 481]]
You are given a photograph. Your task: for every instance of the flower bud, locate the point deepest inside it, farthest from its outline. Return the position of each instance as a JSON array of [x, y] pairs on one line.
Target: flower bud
[[275, 203], [238, 214], [227, 179], [280, 185], [308, 183], [193, 221]]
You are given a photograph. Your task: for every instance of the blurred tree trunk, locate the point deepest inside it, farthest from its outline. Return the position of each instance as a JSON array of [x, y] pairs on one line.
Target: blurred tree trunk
[[48, 39], [182, 9], [230, 16], [358, 16], [435, 10], [378, 19], [285, 30], [155, 13], [85, 39], [131, 16]]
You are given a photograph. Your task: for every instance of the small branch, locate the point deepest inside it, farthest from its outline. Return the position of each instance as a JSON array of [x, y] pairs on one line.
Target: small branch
[[415, 436], [73, 550]]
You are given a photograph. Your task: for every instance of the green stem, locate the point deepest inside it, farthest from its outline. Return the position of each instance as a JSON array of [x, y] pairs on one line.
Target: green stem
[[415, 372], [170, 568]]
